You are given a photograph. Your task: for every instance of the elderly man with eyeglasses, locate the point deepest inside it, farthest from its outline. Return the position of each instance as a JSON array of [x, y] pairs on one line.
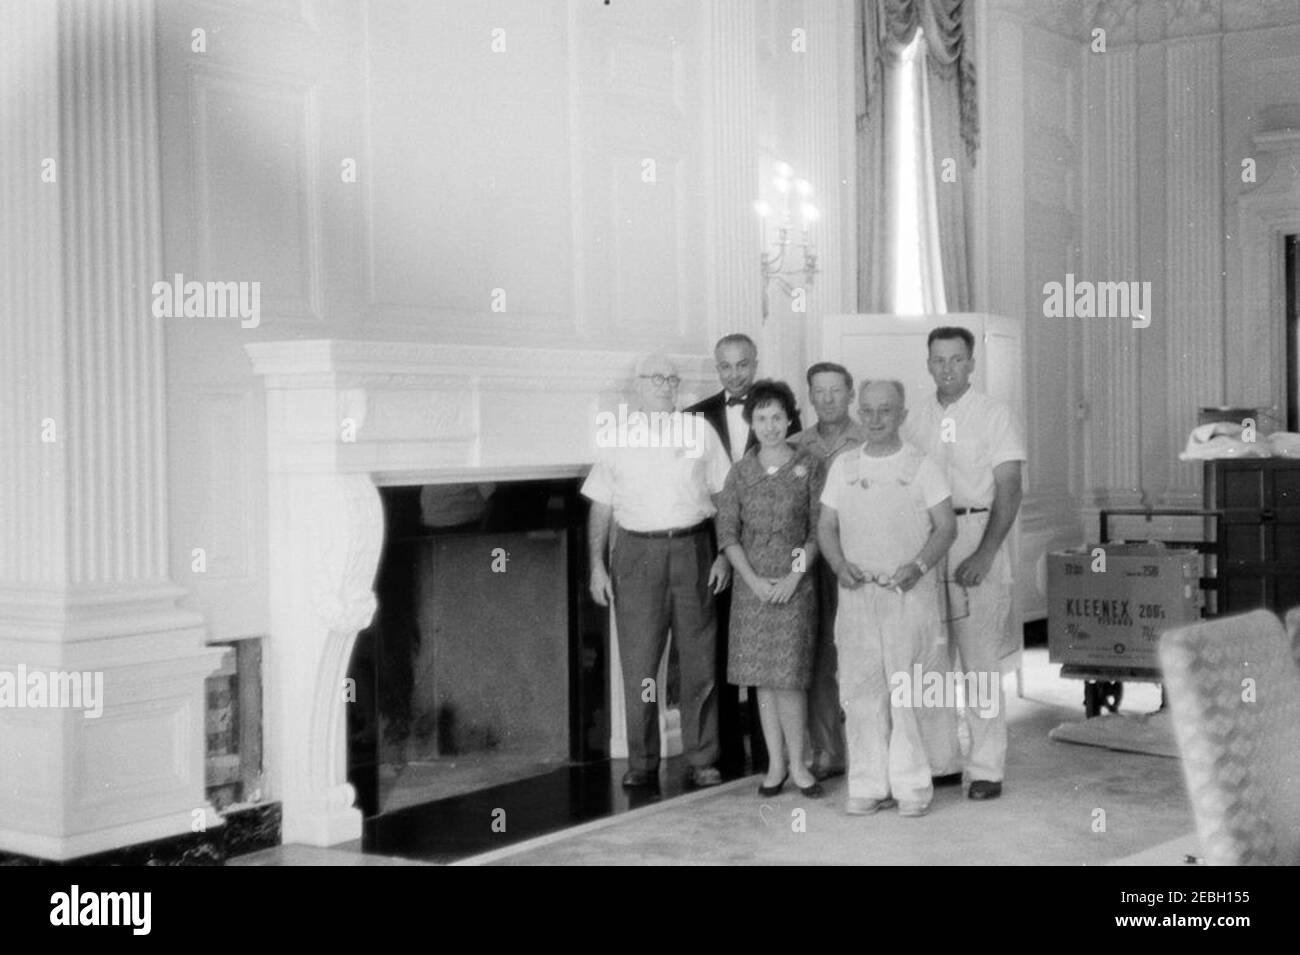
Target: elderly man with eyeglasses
[[663, 572]]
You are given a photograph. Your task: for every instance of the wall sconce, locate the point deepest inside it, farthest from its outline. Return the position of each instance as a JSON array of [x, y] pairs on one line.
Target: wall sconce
[[773, 264]]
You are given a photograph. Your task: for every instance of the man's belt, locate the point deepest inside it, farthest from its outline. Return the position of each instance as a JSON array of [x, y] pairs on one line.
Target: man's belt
[[962, 511], [699, 528]]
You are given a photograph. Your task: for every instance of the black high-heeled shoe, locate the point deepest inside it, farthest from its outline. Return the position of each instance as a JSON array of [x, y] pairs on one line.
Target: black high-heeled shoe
[[814, 791], [767, 792]]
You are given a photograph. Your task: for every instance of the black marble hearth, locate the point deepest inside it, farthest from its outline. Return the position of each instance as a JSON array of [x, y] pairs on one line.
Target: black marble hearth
[[246, 830], [452, 829]]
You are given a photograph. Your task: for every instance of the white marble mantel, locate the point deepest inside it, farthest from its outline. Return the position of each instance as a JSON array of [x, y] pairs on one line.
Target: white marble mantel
[[344, 417], [417, 409]]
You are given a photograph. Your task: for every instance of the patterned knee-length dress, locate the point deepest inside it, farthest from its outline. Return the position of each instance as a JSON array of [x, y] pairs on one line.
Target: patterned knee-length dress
[[771, 516]]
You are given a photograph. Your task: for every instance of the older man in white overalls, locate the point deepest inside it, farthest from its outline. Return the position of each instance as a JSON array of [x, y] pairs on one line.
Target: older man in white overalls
[[886, 521]]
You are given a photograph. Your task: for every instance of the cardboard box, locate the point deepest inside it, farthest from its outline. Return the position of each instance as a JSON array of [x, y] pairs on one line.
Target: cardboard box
[[1114, 616]]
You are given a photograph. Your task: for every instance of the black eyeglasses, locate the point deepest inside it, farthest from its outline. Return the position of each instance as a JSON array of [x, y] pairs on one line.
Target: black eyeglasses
[[658, 380]]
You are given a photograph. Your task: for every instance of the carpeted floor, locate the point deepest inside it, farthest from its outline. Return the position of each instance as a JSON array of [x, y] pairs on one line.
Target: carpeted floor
[[1063, 805]]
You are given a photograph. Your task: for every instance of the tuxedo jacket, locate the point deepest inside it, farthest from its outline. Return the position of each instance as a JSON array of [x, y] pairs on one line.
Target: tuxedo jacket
[[714, 409]]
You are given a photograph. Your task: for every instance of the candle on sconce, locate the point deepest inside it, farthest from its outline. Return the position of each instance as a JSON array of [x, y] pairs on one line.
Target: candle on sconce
[[809, 214], [783, 187], [783, 181], [779, 263]]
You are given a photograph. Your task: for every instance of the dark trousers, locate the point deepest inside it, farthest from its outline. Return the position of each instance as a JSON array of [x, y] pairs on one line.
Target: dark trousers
[[661, 583], [825, 717]]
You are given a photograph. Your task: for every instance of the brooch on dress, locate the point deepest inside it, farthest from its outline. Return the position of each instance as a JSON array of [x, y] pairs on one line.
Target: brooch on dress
[[800, 471]]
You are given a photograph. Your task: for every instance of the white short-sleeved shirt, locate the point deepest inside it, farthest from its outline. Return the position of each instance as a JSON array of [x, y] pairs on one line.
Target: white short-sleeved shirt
[[883, 505], [968, 439], [656, 489]]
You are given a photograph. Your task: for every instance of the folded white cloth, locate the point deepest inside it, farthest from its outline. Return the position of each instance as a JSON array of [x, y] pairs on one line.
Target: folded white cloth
[[1222, 439]]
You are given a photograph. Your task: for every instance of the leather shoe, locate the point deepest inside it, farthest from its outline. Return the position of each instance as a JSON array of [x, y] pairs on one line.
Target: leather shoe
[[862, 806], [702, 777], [823, 773], [769, 791], [947, 779], [814, 791], [984, 789], [638, 779]]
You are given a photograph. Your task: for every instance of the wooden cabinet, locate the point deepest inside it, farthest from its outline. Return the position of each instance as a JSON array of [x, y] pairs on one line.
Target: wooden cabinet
[[1258, 532]]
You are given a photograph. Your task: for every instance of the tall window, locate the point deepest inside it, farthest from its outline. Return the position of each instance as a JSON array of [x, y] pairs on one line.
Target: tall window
[[917, 281]]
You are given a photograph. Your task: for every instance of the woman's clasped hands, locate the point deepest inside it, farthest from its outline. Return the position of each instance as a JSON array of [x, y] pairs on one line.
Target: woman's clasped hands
[[775, 590]]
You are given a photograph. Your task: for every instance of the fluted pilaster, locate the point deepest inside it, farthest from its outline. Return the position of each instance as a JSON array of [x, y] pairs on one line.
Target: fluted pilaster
[[823, 92], [33, 549], [1110, 346], [84, 496], [83, 581], [1194, 244], [112, 257], [735, 299]]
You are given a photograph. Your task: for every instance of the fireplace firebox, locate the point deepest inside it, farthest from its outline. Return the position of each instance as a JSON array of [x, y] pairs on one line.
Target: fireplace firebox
[[486, 660]]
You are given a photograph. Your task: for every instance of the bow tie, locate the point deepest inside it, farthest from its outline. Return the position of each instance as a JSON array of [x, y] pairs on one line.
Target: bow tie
[[732, 402]]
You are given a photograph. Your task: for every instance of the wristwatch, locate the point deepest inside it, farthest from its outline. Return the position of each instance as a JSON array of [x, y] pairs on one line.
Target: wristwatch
[[920, 565]]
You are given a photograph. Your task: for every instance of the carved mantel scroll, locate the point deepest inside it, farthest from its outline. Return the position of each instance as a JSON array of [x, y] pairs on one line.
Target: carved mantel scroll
[[329, 550]]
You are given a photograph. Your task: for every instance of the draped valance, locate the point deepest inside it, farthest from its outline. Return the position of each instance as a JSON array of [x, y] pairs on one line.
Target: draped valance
[[888, 26]]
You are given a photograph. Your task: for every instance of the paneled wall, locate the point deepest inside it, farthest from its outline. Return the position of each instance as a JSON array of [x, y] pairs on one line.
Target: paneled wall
[[555, 174], [1260, 81], [1117, 157], [805, 117], [1173, 104], [256, 110], [386, 173]]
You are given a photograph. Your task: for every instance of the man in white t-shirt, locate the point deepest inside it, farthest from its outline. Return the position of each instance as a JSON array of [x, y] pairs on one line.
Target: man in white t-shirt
[[976, 441], [661, 491], [886, 521]]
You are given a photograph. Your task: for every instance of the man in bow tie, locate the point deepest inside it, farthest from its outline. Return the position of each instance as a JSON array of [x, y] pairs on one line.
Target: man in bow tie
[[737, 363], [736, 358]]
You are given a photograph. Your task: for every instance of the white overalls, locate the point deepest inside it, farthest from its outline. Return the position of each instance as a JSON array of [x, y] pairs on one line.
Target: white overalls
[[882, 505]]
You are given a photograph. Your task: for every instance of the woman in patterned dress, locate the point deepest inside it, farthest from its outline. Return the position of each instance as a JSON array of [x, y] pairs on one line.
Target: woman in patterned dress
[[767, 524]]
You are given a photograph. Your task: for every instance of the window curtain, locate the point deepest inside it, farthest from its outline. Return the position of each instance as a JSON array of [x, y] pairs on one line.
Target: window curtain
[[945, 126]]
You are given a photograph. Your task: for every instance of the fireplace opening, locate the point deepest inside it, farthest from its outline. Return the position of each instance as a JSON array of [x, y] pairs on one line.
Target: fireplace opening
[[486, 659]]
